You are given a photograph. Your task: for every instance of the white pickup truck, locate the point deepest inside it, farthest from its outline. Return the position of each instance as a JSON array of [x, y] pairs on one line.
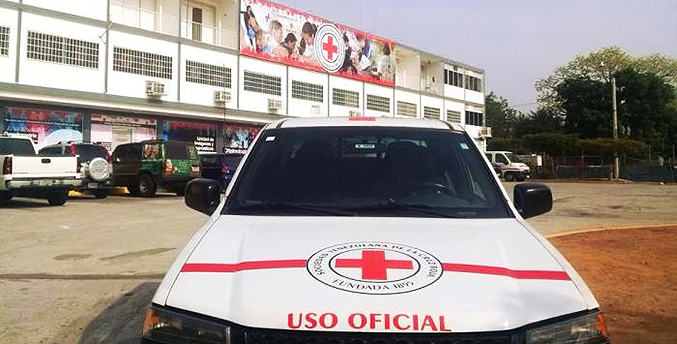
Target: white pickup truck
[[26, 174]]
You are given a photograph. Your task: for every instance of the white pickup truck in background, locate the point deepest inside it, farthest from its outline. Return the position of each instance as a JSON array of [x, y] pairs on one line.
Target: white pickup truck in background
[[26, 174]]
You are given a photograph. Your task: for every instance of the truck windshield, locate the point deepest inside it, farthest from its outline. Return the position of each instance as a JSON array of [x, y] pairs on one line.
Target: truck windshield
[[366, 171], [513, 158], [16, 146]]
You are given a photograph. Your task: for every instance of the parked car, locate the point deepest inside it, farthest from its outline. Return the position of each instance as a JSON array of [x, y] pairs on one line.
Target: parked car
[[145, 166], [220, 166], [26, 174], [369, 230], [512, 168], [95, 165]]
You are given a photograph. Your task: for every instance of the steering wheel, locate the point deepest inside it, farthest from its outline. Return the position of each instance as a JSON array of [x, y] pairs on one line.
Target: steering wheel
[[411, 189]]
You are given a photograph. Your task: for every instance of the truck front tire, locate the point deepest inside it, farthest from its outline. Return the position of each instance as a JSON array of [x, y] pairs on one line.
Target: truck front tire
[[509, 176]]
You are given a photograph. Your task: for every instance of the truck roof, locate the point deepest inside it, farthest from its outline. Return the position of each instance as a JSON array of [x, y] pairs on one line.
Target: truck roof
[[363, 122]]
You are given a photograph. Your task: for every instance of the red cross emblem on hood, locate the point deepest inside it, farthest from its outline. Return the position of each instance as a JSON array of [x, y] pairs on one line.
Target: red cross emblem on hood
[[374, 264]]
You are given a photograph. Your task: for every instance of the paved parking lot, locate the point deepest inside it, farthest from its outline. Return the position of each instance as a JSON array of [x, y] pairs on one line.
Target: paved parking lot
[[87, 267]]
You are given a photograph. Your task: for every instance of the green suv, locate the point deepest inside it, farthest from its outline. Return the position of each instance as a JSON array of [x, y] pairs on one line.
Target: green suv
[[144, 166]]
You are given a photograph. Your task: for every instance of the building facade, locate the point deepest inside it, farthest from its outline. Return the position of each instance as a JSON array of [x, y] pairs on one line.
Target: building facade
[[210, 72]]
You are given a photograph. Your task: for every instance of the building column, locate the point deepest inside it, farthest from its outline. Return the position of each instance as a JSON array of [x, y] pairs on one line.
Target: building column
[[87, 127]]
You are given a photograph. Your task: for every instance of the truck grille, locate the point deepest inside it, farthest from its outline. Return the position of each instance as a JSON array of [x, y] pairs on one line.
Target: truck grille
[[258, 336]]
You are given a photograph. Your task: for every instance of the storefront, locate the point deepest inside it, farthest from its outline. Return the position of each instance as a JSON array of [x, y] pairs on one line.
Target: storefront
[[237, 138], [111, 131], [43, 126], [202, 135]]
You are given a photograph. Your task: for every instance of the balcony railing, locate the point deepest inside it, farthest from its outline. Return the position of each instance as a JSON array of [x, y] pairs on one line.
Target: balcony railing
[[208, 34], [143, 18]]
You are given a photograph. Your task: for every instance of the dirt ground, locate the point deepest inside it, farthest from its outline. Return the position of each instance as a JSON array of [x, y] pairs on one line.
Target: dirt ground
[[631, 272]]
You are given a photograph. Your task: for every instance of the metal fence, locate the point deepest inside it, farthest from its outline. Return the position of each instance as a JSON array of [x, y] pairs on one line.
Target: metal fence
[[592, 166]]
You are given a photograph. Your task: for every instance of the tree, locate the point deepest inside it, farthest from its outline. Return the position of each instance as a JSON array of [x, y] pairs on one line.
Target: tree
[[596, 66], [586, 106], [542, 120], [608, 146], [599, 66], [645, 112], [500, 115]]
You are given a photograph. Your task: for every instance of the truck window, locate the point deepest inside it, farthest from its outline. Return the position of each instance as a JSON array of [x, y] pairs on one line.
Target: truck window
[[501, 159], [16, 146], [89, 152], [353, 169], [180, 150]]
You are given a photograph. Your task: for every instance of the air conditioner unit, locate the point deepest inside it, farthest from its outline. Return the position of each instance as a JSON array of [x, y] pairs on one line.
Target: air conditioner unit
[[485, 132], [274, 104], [354, 113], [155, 89], [315, 110], [222, 97]]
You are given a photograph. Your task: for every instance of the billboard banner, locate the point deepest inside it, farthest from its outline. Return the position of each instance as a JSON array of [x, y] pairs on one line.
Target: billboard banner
[[277, 33]]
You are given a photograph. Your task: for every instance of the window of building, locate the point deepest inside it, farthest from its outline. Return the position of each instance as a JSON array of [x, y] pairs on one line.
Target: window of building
[[142, 63], [378, 103], [407, 109], [431, 112], [262, 83], [4, 40], [474, 118], [200, 19], [307, 91], [453, 116], [472, 83], [453, 78], [63, 50], [345, 98], [207, 74]]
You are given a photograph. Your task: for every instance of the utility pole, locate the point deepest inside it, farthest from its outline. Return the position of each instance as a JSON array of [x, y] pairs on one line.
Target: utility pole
[[615, 115]]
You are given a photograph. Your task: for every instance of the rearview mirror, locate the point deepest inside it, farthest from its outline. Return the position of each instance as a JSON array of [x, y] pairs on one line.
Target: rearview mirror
[[532, 199], [203, 195]]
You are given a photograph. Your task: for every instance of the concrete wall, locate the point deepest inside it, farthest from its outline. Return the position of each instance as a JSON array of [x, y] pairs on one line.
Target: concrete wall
[[201, 94], [255, 101], [346, 84], [58, 75], [382, 92], [306, 108], [133, 85], [94, 9], [8, 18], [409, 97]]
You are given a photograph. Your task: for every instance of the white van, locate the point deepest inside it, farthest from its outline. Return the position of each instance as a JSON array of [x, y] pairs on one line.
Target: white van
[[369, 230], [512, 168]]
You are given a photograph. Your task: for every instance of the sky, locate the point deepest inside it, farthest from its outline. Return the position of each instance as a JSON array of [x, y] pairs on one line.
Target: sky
[[515, 42]]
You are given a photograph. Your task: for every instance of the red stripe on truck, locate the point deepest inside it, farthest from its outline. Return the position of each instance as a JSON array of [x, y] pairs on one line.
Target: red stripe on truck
[[447, 267], [495, 270]]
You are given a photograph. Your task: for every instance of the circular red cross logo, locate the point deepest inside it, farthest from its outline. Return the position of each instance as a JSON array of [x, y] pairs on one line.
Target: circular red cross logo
[[374, 267], [329, 47]]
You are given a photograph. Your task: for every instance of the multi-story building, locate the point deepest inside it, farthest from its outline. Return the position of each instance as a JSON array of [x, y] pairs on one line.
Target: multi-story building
[[209, 71]]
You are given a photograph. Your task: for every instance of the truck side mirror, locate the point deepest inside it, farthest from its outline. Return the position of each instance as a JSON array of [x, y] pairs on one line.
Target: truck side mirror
[[532, 199], [203, 195]]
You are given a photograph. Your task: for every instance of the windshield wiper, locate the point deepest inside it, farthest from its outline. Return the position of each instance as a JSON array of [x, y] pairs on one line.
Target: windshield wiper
[[284, 206], [391, 204]]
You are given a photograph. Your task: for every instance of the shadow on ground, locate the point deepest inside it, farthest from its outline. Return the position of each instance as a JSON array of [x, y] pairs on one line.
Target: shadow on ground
[[25, 203], [121, 322]]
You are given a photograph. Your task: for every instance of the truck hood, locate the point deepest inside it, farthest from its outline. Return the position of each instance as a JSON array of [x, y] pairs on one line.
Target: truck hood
[[373, 274]]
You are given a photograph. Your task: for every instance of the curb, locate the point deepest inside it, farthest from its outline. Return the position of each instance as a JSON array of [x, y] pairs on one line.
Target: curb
[[599, 229]]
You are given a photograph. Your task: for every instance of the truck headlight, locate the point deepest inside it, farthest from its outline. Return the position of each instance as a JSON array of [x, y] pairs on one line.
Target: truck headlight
[[587, 329], [167, 326]]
